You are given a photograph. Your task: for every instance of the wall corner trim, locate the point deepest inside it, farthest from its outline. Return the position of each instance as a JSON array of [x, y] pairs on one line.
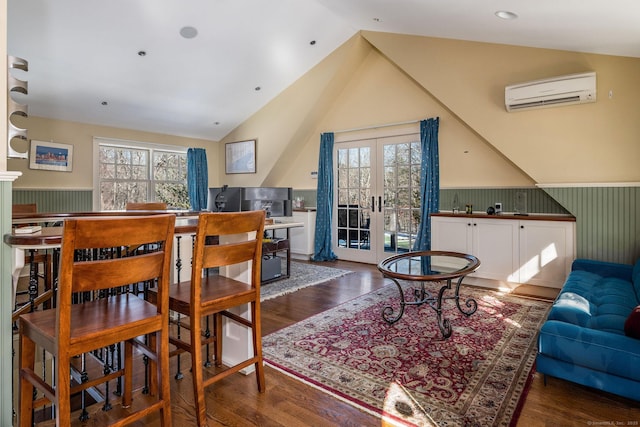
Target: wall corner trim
[[589, 184]]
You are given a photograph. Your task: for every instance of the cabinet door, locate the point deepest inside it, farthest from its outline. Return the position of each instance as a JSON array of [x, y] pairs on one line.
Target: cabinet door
[[302, 238], [495, 245], [546, 252], [451, 234]]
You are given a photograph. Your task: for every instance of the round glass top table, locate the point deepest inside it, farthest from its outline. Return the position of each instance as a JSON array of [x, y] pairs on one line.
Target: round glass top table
[[424, 267]]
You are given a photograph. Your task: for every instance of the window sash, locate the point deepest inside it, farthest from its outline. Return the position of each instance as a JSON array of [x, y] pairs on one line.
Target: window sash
[[127, 171]]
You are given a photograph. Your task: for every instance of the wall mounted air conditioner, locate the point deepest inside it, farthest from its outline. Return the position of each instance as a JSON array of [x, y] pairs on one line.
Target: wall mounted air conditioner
[[563, 90]]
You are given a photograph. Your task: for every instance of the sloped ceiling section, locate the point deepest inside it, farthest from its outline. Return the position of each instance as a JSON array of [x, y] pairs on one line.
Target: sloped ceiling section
[[570, 144], [290, 119]]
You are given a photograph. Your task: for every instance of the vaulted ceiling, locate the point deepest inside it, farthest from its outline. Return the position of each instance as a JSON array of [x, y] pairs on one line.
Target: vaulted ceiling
[[199, 68]]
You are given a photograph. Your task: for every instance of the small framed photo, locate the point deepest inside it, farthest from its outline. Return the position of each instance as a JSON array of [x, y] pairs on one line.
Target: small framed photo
[[240, 157], [51, 156]]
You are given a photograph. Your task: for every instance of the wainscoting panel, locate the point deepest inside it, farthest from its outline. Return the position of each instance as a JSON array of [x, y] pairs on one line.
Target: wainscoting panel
[[538, 201], [481, 198], [607, 218], [607, 221], [56, 200]]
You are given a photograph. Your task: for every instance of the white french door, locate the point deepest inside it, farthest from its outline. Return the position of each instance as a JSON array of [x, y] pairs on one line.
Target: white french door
[[377, 197]]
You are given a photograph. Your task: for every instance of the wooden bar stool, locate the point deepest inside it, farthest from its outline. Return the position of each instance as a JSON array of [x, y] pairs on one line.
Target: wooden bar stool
[[100, 258], [215, 294]]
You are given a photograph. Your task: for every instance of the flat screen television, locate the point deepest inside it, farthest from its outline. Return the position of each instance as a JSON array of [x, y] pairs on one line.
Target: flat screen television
[[277, 201], [224, 199]]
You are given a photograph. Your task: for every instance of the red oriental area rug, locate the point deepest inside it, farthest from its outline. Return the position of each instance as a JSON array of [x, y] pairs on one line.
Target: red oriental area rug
[[406, 372]]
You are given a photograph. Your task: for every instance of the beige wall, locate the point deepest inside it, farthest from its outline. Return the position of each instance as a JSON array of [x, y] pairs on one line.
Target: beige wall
[[587, 143], [393, 77], [366, 101], [81, 137]]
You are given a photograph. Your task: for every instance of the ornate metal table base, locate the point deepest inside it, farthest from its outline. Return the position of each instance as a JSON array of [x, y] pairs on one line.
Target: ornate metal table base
[[422, 296], [429, 266]]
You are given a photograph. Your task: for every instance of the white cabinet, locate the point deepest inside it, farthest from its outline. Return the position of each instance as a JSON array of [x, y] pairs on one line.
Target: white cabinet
[[495, 243], [547, 249], [536, 252], [302, 238], [451, 234]]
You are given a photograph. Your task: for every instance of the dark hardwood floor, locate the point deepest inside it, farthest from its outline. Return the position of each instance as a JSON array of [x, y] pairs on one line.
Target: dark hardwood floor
[[288, 402]]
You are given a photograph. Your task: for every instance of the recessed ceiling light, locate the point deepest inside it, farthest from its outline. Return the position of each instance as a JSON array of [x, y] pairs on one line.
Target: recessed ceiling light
[[188, 32], [505, 14]]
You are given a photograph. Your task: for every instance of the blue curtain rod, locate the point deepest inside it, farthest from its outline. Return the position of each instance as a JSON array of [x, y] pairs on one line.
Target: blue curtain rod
[[376, 126]]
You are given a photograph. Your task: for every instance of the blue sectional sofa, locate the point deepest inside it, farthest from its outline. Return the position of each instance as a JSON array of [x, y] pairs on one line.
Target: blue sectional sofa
[[583, 339]]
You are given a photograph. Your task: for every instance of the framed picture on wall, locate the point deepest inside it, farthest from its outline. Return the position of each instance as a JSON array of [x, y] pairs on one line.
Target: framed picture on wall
[[240, 157], [51, 156]]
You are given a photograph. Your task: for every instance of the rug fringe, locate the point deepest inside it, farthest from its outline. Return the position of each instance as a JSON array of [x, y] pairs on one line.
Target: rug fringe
[[305, 285], [523, 396]]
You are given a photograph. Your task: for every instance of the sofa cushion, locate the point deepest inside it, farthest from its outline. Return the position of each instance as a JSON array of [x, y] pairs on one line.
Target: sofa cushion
[[604, 269], [632, 324], [595, 302]]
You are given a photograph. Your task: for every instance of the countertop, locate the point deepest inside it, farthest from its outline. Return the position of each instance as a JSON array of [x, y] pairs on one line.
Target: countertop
[[510, 215]]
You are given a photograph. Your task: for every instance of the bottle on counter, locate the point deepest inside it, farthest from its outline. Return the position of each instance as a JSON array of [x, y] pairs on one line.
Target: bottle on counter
[[298, 203]]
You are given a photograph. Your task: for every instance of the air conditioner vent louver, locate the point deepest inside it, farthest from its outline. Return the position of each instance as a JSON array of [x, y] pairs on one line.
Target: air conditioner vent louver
[[564, 90], [543, 103]]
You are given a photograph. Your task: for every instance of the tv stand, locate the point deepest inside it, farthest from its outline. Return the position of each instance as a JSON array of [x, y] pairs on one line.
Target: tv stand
[[271, 262], [277, 243]]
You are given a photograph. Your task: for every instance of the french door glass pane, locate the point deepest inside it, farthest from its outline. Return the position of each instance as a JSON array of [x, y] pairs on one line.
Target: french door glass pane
[[402, 195], [354, 194], [377, 191]]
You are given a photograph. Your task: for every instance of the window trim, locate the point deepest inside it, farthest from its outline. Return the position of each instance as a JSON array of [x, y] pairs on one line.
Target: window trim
[[123, 143]]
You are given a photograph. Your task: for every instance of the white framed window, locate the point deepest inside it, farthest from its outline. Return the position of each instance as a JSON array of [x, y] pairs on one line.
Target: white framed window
[[133, 171]]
